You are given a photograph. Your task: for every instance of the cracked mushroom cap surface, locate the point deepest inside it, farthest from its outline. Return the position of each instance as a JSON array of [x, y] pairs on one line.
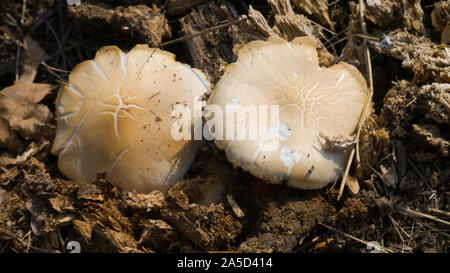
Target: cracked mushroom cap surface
[[114, 116], [313, 102]]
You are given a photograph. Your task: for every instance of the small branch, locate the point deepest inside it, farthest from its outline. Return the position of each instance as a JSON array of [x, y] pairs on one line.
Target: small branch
[[419, 174], [440, 212], [24, 244], [236, 209], [380, 248], [344, 177], [187, 37], [367, 102], [411, 212], [362, 9]]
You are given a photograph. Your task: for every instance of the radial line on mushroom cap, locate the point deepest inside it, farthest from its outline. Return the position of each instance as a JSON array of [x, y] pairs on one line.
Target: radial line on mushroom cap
[[80, 155], [340, 80], [99, 70], [198, 77], [235, 138], [296, 106], [72, 88], [123, 59], [66, 115], [255, 155], [75, 131], [60, 107], [121, 106], [148, 60], [114, 162], [308, 93]]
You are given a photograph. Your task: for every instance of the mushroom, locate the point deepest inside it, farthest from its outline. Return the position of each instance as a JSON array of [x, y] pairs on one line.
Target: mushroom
[[115, 115], [312, 103]]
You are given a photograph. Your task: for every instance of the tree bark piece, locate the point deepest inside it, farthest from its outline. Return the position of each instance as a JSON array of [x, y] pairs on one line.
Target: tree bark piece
[[212, 51]]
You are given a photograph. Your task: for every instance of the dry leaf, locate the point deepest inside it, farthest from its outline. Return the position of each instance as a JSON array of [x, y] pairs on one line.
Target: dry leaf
[[315, 8], [18, 107], [32, 56], [19, 111], [8, 138]]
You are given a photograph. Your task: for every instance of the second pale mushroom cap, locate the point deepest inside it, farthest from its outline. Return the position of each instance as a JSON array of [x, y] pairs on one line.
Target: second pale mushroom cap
[[312, 101], [114, 116]]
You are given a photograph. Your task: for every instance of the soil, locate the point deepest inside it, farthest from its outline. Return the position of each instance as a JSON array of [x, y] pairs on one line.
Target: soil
[[397, 192]]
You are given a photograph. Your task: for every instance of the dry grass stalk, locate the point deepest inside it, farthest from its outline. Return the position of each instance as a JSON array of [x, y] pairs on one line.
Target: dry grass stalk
[[414, 213], [380, 248], [366, 105]]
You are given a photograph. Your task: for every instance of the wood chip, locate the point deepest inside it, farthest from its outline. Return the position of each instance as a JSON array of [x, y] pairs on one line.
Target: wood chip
[[236, 209], [352, 184]]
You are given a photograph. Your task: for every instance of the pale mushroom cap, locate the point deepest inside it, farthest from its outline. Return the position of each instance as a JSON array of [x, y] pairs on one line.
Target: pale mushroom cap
[[114, 116], [312, 100]]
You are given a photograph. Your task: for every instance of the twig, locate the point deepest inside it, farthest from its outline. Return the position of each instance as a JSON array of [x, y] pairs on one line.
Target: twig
[[5, 246], [346, 37], [369, 71], [28, 235], [236, 209], [380, 248], [344, 177], [441, 231], [19, 48], [440, 212], [366, 104], [58, 42], [337, 35], [337, 42], [13, 236], [50, 70], [54, 68], [396, 227], [190, 36], [333, 3], [419, 174], [324, 28], [24, 8], [411, 212]]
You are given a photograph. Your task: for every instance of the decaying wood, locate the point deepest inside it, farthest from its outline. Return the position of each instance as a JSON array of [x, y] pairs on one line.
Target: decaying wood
[[386, 13], [427, 60], [145, 23], [315, 8], [234, 205], [211, 51], [208, 227]]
